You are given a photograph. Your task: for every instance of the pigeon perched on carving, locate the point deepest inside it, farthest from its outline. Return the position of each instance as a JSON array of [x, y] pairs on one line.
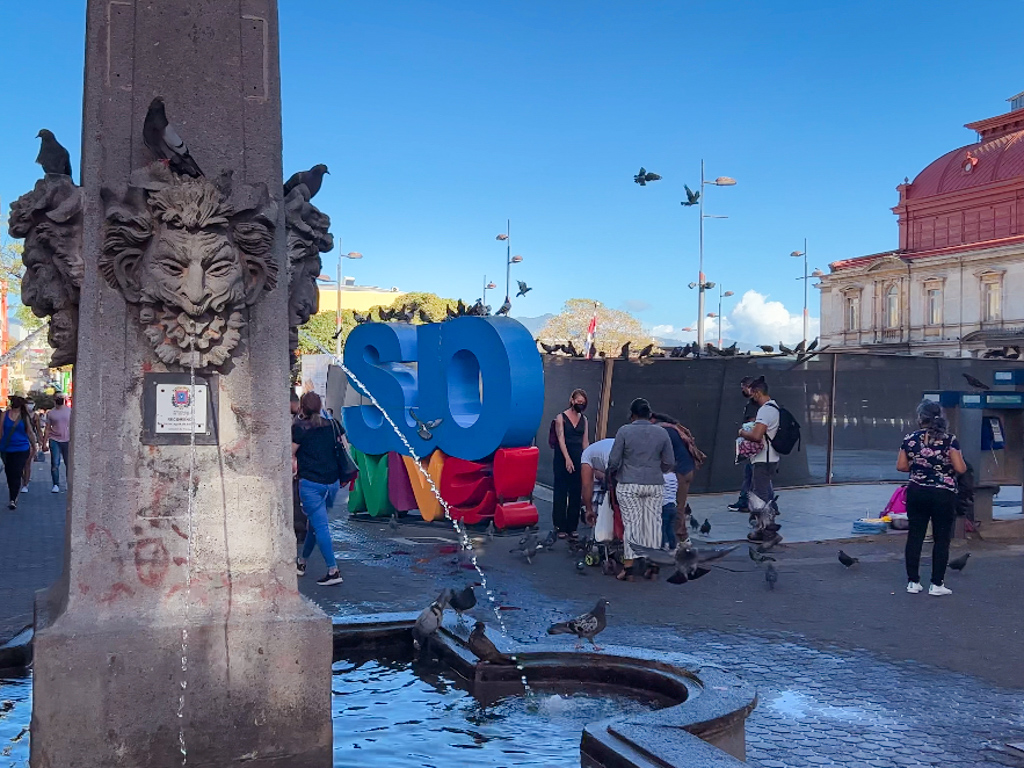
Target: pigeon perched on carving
[[164, 142], [586, 626], [52, 155], [481, 646], [312, 179]]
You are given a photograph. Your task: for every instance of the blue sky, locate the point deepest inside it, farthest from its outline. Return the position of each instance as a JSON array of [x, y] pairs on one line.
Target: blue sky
[[440, 120]]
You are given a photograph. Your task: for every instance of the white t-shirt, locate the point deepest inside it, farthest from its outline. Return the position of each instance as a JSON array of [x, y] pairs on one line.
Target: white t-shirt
[[596, 454], [768, 415]]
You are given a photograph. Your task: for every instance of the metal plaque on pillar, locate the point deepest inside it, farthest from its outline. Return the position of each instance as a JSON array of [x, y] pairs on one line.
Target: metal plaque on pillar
[[174, 406]]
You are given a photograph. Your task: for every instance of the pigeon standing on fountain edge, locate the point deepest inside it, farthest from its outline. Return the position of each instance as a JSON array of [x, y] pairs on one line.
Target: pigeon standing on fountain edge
[[586, 626], [482, 647], [428, 622]]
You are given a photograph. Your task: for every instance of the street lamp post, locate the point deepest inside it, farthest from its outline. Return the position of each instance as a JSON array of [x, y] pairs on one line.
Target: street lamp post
[[805, 278], [488, 286], [721, 181], [341, 282], [509, 258], [720, 295]]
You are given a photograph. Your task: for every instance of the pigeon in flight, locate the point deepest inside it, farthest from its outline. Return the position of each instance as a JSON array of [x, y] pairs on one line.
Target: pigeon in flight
[[523, 289], [481, 646], [644, 176], [164, 142], [846, 560], [423, 427], [960, 562], [758, 558], [549, 348], [586, 626], [771, 576], [52, 156], [505, 308], [312, 179], [692, 198], [429, 620], [528, 547], [688, 561], [976, 383]]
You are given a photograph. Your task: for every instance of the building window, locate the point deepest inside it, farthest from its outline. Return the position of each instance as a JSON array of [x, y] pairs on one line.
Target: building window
[[933, 297], [991, 299], [892, 307], [852, 316]]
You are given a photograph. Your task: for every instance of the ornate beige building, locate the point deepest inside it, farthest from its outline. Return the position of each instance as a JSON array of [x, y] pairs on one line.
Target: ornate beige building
[[955, 286]]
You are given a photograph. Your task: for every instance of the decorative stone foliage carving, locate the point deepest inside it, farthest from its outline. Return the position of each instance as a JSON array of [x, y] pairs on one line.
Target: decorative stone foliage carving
[[49, 218], [308, 237], [191, 255]]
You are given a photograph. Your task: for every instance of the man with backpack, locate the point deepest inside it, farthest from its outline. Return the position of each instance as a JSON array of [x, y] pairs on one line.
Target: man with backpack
[[774, 427]]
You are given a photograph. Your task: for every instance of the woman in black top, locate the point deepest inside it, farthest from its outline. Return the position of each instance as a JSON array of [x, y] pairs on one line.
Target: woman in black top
[[571, 429], [316, 465]]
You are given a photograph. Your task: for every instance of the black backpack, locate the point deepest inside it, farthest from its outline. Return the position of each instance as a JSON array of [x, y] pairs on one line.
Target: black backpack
[[788, 435]]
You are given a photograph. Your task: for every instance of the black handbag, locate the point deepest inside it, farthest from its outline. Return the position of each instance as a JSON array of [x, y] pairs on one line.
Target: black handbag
[[347, 469]]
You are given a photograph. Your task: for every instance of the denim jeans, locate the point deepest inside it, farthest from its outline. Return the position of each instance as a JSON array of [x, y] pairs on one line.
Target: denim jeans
[[57, 452], [317, 498], [668, 525]]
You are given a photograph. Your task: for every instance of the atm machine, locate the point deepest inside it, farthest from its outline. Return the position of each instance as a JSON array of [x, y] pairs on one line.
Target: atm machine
[[990, 427]]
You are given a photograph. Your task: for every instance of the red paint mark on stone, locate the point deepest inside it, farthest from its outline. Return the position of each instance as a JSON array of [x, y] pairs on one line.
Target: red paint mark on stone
[[177, 530], [151, 561], [180, 561], [120, 588]]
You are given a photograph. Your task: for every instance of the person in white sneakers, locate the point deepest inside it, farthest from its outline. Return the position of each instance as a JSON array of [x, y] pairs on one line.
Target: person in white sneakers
[[57, 439], [932, 457]]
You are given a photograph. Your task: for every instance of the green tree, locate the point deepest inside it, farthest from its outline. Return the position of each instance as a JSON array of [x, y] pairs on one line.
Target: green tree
[[11, 270], [614, 328], [321, 326]]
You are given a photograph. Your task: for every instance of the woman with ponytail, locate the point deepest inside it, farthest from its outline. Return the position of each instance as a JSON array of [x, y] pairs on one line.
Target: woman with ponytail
[[932, 457]]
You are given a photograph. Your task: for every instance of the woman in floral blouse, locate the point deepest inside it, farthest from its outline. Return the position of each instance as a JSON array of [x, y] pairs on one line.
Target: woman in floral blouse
[[932, 457]]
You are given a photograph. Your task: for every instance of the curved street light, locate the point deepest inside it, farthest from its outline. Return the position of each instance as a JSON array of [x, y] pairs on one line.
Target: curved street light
[[337, 318]]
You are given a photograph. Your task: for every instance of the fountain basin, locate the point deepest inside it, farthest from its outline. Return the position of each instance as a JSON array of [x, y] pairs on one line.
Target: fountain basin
[[633, 708]]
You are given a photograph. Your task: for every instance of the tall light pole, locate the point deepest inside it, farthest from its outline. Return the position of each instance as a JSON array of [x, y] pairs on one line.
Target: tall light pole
[[509, 258], [805, 278], [720, 295], [721, 181], [488, 286], [341, 283]]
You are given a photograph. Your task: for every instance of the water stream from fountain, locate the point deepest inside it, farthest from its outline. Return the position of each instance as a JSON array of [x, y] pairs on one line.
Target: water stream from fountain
[[460, 530], [192, 460]]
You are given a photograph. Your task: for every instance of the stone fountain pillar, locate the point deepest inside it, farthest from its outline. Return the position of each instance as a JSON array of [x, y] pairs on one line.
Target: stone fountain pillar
[[180, 273]]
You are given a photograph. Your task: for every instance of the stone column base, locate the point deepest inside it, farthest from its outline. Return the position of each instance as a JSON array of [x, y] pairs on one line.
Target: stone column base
[[258, 693]]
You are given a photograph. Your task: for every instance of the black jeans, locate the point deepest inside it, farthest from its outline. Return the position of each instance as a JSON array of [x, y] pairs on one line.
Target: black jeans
[[568, 493], [14, 466], [924, 505]]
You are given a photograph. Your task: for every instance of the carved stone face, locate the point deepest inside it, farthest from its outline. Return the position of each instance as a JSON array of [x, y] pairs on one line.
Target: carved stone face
[[308, 237], [191, 261]]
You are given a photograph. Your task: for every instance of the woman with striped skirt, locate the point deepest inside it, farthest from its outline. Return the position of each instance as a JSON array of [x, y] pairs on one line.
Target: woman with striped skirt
[[642, 453]]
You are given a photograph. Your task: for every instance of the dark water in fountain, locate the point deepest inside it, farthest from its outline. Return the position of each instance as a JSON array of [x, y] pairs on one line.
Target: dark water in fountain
[[391, 713]]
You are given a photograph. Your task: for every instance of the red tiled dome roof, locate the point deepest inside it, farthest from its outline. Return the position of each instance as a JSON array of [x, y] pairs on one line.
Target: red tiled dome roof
[[998, 159]]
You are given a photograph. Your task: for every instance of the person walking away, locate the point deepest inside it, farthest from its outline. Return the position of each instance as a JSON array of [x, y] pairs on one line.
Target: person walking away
[[932, 457], [594, 483], [315, 464], [33, 424], [749, 415], [57, 438], [17, 438], [572, 436], [689, 459], [640, 457], [761, 499], [298, 518], [668, 511]]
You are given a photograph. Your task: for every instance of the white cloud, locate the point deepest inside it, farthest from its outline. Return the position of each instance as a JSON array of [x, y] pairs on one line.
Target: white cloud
[[753, 320], [635, 305], [756, 320]]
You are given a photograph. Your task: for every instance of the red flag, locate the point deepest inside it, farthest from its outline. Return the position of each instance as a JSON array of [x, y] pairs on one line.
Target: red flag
[[591, 332]]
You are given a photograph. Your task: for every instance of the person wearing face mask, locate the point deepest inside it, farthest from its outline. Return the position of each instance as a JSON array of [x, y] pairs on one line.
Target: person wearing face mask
[[572, 433], [749, 415]]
